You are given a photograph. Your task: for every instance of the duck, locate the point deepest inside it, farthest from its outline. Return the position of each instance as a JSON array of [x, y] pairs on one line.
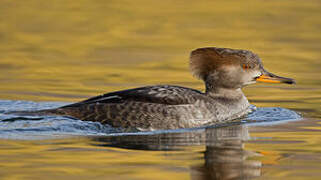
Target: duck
[[224, 71]]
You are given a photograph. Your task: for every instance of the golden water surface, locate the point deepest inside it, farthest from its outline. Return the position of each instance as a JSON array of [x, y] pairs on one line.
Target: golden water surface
[[69, 50]]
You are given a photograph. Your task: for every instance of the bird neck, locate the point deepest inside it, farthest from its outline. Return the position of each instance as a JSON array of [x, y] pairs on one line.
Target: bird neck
[[225, 93]]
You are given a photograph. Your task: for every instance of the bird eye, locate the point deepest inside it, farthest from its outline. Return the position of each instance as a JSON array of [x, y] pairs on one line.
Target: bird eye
[[246, 66]]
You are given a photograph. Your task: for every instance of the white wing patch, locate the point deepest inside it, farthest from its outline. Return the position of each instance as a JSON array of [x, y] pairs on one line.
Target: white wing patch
[[108, 98]]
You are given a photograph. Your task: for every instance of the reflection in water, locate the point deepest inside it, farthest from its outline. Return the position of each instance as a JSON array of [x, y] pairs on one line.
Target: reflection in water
[[57, 51], [224, 156]]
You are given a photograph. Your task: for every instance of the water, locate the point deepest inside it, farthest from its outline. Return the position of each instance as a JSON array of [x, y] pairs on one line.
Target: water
[[58, 51], [47, 127], [221, 147]]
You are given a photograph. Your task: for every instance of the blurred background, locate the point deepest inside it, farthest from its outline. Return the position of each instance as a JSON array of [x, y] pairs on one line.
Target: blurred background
[[66, 51], [69, 50]]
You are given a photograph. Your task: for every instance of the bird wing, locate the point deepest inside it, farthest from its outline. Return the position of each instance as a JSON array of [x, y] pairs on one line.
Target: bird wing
[[162, 94]]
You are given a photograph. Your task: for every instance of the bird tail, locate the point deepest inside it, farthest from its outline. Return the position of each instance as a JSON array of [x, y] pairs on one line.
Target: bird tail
[[37, 113]]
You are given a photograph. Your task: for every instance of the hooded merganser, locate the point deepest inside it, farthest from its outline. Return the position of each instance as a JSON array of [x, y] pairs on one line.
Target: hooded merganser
[[224, 71]]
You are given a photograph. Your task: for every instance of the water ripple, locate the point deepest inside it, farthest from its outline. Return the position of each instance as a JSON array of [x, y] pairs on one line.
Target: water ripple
[[44, 127]]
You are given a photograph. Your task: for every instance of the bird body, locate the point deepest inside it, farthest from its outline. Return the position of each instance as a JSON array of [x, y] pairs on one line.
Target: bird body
[[157, 107], [224, 71]]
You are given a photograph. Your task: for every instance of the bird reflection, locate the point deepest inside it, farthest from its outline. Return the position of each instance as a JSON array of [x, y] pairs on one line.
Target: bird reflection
[[225, 156]]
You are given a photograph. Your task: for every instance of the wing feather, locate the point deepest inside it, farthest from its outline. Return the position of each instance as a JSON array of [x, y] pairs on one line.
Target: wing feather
[[162, 94]]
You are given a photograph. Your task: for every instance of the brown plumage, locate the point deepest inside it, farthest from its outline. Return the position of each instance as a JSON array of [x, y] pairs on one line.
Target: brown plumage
[[224, 72], [205, 60]]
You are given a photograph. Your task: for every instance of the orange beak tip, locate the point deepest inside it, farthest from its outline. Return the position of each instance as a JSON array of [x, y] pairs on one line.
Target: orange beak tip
[[271, 79]]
